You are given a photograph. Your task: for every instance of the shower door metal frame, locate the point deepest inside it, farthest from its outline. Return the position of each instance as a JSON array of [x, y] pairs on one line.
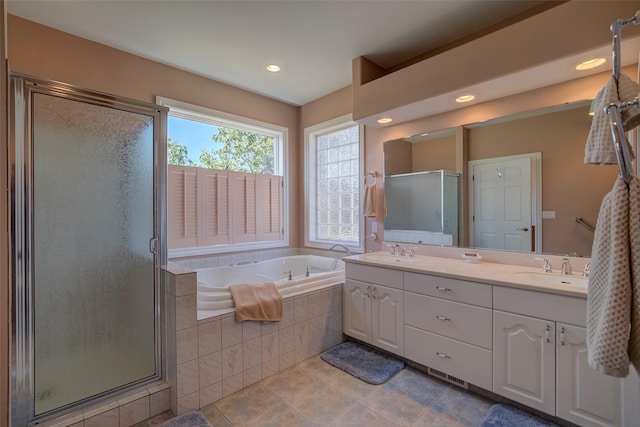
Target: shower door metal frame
[[21, 237]]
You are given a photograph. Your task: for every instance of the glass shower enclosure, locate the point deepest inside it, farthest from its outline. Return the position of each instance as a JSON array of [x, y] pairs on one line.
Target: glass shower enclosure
[[87, 184]]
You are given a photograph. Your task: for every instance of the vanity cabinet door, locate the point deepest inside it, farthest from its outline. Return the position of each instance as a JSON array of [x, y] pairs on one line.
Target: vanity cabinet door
[[387, 330], [584, 396], [357, 310], [524, 360]]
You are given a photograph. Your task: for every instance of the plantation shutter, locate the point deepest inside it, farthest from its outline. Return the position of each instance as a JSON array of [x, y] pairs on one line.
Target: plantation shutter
[[215, 206], [182, 201], [244, 195], [270, 207], [208, 207]]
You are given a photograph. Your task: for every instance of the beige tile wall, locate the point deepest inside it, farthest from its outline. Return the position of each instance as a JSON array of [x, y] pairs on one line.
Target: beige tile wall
[[218, 356]]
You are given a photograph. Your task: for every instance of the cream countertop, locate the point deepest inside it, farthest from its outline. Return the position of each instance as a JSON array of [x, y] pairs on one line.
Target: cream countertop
[[508, 275]]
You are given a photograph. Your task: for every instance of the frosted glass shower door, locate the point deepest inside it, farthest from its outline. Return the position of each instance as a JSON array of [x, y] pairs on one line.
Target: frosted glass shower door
[[93, 274]]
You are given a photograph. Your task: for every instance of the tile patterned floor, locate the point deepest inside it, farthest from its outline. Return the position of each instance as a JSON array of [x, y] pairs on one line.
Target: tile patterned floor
[[314, 393]]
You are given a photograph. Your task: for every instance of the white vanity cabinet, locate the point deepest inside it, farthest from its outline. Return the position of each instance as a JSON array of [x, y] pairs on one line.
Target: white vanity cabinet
[[542, 362], [374, 306], [524, 365], [448, 326], [524, 344], [583, 396]]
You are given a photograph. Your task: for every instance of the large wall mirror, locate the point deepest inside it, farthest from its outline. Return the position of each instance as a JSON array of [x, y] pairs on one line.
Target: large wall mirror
[[565, 194]]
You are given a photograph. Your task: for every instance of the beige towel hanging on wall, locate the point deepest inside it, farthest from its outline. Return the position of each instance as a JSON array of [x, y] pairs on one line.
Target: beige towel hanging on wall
[[609, 291], [634, 236], [369, 207], [599, 149]]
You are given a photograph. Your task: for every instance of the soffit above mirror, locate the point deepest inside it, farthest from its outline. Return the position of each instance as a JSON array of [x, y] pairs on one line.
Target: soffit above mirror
[[494, 66]]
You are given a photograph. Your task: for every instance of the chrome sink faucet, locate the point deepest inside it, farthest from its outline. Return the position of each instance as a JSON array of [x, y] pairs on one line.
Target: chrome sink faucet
[[586, 270], [566, 267], [399, 250], [546, 267]]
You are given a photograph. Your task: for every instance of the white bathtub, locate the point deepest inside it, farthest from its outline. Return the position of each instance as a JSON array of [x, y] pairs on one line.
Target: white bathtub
[[308, 272]]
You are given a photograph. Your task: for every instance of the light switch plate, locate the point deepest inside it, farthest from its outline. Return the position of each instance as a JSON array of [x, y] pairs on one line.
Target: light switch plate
[[548, 214], [374, 227]]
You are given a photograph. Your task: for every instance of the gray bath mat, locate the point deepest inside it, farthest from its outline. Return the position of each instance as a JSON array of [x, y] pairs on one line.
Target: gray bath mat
[[362, 362], [506, 416], [190, 419]]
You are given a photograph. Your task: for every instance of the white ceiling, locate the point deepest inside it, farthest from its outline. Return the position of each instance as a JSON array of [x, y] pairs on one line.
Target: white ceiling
[[313, 41]]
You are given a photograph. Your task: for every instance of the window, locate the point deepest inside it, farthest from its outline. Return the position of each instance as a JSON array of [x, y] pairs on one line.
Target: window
[[225, 182], [333, 153]]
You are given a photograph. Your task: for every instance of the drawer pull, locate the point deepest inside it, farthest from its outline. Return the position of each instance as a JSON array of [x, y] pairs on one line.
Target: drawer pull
[[443, 356], [562, 336], [441, 289], [442, 318], [546, 333]]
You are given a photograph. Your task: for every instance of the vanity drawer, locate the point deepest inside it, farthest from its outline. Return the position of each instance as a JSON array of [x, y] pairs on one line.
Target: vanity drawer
[[380, 276], [462, 322], [464, 361], [560, 308], [450, 289]]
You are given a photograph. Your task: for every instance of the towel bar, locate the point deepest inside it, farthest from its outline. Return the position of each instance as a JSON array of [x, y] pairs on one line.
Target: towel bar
[[580, 221], [374, 175]]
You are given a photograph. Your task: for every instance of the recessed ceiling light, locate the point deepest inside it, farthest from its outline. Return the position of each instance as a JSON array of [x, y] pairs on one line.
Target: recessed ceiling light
[[465, 98], [592, 63], [385, 120], [273, 68]]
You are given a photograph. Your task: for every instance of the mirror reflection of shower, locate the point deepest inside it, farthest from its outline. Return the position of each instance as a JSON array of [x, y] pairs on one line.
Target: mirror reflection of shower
[[87, 323]]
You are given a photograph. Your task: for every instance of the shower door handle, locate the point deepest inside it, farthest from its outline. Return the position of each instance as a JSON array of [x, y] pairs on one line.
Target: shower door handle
[[153, 245]]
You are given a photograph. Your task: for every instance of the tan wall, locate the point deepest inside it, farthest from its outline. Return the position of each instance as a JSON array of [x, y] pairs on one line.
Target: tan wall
[[46, 53], [569, 187], [434, 154]]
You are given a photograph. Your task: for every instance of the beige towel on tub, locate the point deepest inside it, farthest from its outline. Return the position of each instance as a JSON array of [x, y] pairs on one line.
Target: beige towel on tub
[[259, 301], [609, 292]]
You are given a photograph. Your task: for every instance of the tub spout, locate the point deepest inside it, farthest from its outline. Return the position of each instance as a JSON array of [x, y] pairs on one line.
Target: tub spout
[[338, 245]]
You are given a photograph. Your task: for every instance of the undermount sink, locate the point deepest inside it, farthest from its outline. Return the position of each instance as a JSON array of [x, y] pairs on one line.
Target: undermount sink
[[555, 279], [389, 258]]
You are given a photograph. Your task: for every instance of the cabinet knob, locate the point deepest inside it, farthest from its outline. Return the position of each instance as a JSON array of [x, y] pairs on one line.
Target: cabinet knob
[[443, 356]]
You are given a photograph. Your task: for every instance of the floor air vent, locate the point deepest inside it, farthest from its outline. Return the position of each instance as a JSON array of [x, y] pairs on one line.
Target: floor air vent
[[448, 378]]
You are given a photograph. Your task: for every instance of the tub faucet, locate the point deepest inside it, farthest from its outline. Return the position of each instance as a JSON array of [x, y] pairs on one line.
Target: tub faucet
[[566, 267], [338, 245], [289, 273], [308, 271]]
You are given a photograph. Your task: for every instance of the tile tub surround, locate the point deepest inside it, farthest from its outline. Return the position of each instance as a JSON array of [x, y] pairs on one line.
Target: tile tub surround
[[212, 358]]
